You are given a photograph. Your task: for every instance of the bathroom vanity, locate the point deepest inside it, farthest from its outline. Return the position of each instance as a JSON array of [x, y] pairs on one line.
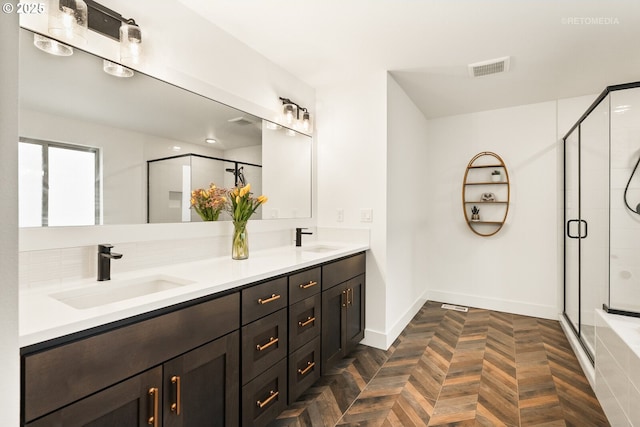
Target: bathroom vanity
[[209, 353]]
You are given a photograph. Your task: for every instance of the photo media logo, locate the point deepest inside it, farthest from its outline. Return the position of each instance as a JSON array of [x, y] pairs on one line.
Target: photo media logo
[[590, 20]]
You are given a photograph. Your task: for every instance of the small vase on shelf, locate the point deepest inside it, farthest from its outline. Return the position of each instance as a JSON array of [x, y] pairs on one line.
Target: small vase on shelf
[[240, 242], [496, 176]]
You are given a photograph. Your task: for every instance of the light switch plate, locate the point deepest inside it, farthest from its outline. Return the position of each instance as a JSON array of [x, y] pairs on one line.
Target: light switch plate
[[366, 215]]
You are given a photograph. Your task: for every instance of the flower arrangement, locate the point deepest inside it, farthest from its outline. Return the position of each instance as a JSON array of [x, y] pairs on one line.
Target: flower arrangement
[[208, 203], [241, 207]]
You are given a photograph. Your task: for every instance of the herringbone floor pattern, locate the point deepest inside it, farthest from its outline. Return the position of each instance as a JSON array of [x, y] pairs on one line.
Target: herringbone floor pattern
[[450, 368]]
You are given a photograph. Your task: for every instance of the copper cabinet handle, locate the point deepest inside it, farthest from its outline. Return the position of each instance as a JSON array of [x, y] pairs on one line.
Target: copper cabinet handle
[[344, 298], [349, 298], [273, 297], [309, 367], [272, 395], [307, 322], [153, 403], [308, 285], [271, 342], [175, 406]]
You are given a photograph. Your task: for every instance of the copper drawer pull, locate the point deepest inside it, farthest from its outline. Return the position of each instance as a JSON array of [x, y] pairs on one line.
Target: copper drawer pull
[[272, 395], [175, 406], [273, 297], [344, 298], [153, 398], [309, 367], [308, 285], [307, 322], [271, 342], [349, 298]]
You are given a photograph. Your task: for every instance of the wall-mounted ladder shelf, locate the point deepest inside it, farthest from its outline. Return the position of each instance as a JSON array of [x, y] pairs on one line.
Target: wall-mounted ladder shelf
[[479, 190]]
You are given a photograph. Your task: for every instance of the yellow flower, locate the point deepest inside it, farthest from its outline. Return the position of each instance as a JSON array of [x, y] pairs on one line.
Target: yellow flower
[[237, 199], [193, 201], [262, 199], [245, 190]]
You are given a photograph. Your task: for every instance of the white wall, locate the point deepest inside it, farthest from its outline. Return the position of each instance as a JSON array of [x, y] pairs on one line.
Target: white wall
[[408, 208], [516, 269], [351, 130], [9, 356]]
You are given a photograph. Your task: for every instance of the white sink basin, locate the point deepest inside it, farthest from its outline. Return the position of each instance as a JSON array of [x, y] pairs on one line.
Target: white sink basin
[[109, 292], [321, 248]]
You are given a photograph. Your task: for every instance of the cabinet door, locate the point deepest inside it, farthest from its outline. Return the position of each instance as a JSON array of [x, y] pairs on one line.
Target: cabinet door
[[355, 313], [202, 386], [131, 403], [333, 325]]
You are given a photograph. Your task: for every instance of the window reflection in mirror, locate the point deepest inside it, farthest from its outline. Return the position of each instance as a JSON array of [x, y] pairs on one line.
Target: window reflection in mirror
[[139, 119]]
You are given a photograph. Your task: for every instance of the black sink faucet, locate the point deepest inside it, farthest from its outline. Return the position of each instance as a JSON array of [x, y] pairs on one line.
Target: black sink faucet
[[299, 234], [104, 261]]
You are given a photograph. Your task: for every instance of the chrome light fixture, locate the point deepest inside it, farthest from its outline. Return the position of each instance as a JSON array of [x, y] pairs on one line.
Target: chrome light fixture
[[68, 19], [51, 46], [291, 115]]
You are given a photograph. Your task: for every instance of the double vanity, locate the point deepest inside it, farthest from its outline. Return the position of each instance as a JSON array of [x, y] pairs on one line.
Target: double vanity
[[214, 342]]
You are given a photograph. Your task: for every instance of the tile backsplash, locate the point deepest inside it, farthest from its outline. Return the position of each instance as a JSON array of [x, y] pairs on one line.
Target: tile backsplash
[[56, 266]]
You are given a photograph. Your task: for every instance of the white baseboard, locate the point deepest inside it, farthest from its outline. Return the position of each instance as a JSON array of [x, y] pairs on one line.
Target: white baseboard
[[383, 340], [496, 304]]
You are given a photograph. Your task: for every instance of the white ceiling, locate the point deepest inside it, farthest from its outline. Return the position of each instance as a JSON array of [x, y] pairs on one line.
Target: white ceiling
[[558, 48]]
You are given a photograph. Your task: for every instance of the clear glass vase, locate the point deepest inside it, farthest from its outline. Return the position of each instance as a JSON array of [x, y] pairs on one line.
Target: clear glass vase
[[240, 242]]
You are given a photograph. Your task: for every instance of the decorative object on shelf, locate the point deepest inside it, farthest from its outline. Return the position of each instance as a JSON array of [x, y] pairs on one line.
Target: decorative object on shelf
[[208, 203], [488, 197], [475, 214], [497, 201], [242, 206]]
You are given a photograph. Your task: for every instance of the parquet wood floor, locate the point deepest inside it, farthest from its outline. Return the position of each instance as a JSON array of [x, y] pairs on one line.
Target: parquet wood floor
[[450, 368]]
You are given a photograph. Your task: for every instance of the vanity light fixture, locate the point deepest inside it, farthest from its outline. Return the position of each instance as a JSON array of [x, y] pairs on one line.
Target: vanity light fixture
[[51, 46], [68, 19], [289, 109], [116, 70]]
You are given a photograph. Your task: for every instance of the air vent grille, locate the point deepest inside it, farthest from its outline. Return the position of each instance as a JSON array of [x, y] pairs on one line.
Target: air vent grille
[[492, 66], [242, 121]]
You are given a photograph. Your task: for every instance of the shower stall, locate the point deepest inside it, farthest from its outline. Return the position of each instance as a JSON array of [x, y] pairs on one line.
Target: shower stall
[[601, 212], [170, 181]]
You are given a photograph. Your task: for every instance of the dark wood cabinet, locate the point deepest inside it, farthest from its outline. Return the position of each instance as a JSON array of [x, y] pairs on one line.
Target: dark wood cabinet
[[131, 403], [343, 308], [201, 388], [233, 360]]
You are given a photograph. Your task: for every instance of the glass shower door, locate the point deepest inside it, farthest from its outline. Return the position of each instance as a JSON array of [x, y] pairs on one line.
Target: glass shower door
[[571, 232]]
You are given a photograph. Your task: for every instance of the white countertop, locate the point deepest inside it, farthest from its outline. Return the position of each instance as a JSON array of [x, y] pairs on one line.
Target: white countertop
[[42, 317]]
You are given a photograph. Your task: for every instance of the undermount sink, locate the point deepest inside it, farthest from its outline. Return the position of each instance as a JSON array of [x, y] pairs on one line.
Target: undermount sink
[[320, 248], [108, 292]]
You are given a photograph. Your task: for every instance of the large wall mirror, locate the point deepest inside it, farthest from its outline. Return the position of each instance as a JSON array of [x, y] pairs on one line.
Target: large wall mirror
[[99, 149]]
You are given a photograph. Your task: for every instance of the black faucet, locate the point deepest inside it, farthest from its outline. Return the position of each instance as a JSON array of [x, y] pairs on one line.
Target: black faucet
[[299, 234], [104, 261]]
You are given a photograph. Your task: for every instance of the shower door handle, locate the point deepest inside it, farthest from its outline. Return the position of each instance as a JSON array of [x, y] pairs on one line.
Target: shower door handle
[[579, 222]]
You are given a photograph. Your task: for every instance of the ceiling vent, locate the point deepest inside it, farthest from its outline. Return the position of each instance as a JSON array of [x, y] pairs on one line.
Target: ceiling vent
[[492, 66], [242, 121]]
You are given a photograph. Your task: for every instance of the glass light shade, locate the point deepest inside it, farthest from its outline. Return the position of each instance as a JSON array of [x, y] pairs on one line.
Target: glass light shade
[[288, 112], [306, 123], [116, 70], [130, 43], [68, 20], [51, 46]]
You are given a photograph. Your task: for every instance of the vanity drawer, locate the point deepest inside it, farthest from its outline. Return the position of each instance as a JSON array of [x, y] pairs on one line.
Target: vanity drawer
[[264, 398], [263, 299], [342, 270], [304, 321], [304, 284], [264, 342], [304, 368], [61, 375]]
